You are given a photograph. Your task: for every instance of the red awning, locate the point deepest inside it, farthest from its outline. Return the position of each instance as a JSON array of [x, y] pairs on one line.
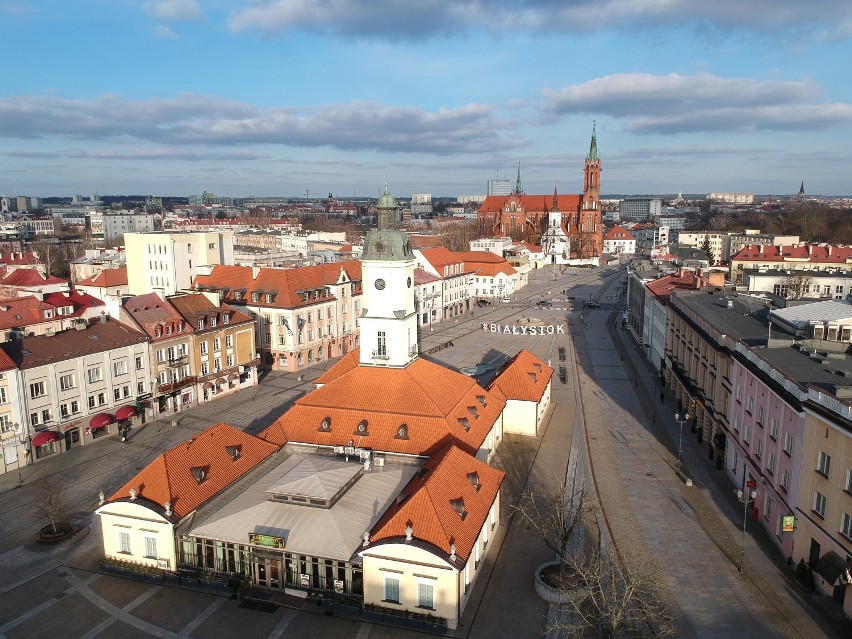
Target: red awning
[[101, 420], [233, 377], [221, 381], [207, 385], [126, 412], [42, 439]]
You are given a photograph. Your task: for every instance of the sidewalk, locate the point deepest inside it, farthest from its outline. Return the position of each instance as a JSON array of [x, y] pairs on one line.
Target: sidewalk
[[693, 532]]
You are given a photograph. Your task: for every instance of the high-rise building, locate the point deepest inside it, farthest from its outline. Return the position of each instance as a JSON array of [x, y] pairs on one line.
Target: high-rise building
[[498, 186]]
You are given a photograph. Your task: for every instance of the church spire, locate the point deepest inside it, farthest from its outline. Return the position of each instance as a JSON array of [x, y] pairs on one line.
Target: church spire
[[593, 147], [555, 199], [519, 190]]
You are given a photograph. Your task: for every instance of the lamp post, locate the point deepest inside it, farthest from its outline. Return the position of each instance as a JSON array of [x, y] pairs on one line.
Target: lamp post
[[680, 419], [23, 438], [746, 499]]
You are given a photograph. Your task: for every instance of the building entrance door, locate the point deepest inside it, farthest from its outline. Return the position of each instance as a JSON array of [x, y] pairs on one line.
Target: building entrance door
[[269, 573]]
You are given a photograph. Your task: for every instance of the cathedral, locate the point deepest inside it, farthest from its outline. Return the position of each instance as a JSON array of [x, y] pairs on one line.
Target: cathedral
[[568, 227]]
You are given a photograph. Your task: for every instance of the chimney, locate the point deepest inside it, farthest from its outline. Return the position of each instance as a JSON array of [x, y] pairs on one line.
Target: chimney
[[810, 249], [829, 250], [255, 271], [761, 249]]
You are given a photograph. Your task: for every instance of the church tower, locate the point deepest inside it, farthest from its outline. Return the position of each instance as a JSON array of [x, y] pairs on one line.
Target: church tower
[[592, 176], [388, 322]]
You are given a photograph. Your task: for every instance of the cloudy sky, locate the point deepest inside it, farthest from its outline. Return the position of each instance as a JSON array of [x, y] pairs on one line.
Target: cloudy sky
[[277, 97]]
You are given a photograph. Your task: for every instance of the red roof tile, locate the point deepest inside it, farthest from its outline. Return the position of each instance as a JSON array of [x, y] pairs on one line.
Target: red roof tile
[[798, 252], [106, 278], [29, 277], [448, 503], [285, 282], [437, 406], [661, 288], [170, 478], [565, 202], [525, 377]]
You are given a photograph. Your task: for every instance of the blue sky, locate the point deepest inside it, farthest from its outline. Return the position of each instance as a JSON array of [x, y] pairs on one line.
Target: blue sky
[[276, 97]]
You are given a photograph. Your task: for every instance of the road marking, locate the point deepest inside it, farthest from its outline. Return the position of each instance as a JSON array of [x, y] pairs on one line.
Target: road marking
[[364, 630], [281, 628], [32, 612], [106, 623], [202, 617]]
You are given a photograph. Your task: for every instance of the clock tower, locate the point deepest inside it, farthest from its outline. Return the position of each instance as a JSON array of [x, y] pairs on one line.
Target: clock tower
[[388, 322]]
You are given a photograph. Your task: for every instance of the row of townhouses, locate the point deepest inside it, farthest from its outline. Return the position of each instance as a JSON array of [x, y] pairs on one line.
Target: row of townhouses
[[71, 383], [769, 392]]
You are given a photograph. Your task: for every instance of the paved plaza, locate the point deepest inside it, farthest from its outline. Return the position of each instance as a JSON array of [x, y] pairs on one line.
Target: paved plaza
[[691, 532]]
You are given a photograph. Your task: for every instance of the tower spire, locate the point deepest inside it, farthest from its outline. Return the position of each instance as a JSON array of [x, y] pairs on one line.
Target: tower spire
[[593, 147], [518, 188]]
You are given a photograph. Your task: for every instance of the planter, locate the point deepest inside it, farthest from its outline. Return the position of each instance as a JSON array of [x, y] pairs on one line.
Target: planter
[[346, 609], [552, 594], [154, 578], [435, 628], [49, 536], [413, 623], [373, 615]]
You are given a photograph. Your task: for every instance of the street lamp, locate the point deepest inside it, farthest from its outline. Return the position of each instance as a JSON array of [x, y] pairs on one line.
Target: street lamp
[[746, 499], [23, 438], [680, 419]]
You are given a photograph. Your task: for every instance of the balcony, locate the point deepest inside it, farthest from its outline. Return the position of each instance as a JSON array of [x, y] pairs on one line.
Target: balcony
[[180, 360], [380, 354], [181, 383], [412, 351]]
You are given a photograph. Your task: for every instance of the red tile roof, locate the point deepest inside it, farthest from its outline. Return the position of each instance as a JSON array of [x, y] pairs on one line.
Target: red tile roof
[[106, 278], [525, 377], [448, 503], [489, 269], [6, 363], [481, 257], [193, 306], [619, 233], [438, 257], [20, 259], [437, 405], [662, 288], [31, 352], [422, 277], [285, 282], [565, 202], [19, 312], [149, 312], [29, 277], [170, 478], [799, 252]]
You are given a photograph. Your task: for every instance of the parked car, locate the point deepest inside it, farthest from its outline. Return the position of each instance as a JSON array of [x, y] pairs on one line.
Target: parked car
[[544, 303], [571, 298], [506, 300], [591, 305], [483, 303]]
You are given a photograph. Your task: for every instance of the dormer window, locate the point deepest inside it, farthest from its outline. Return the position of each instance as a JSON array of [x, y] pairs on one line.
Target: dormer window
[[234, 451], [473, 478], [254, 297], [402, 431], [361, 429], [221, 295], [481, 400], [201, 325], [464, 423], [180, 327], [472, 410], [238, 295], [169, 329], [213, 321], [458, 506], [199, 473], [307, 296], [537, 366], [269, 298], [533, 376], [158, 332], [226, 319], [325, 425]]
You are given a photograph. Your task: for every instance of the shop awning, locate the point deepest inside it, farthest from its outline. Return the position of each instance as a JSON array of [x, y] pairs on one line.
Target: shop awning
[[830, 567], [221, 381], [126, 412], [42, 439], [207, 385], [233, 377], [101, 420]]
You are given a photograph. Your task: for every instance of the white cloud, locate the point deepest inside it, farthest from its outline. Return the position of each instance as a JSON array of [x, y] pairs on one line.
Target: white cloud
[[174, 10], [405, 20], [200, 119], [675, 103], [164, 32]]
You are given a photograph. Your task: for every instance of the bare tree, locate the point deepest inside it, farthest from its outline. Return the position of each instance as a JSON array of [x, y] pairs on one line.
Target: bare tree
[[558, 516], [620, 599], [51, 501], [797, 286]]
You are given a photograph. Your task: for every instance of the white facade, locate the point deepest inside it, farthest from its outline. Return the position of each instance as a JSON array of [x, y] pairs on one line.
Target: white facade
[[166, 263], [640, 207], [117, 224], [496, 245], [697, 239]]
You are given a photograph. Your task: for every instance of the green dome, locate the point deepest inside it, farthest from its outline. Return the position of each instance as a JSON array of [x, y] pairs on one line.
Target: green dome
[[387, 245]]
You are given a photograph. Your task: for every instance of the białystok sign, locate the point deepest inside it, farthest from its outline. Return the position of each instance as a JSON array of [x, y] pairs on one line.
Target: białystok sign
[[529, 329]]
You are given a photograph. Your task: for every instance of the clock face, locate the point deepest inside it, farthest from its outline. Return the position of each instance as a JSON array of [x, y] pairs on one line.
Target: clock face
[[380, 284], [409, 282]]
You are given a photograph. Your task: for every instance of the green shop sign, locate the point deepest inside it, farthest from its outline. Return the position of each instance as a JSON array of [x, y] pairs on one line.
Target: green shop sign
[[266, 540]]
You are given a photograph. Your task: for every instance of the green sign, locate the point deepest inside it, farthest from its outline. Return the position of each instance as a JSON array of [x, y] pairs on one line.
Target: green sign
[[788, 523], [266, 540]]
